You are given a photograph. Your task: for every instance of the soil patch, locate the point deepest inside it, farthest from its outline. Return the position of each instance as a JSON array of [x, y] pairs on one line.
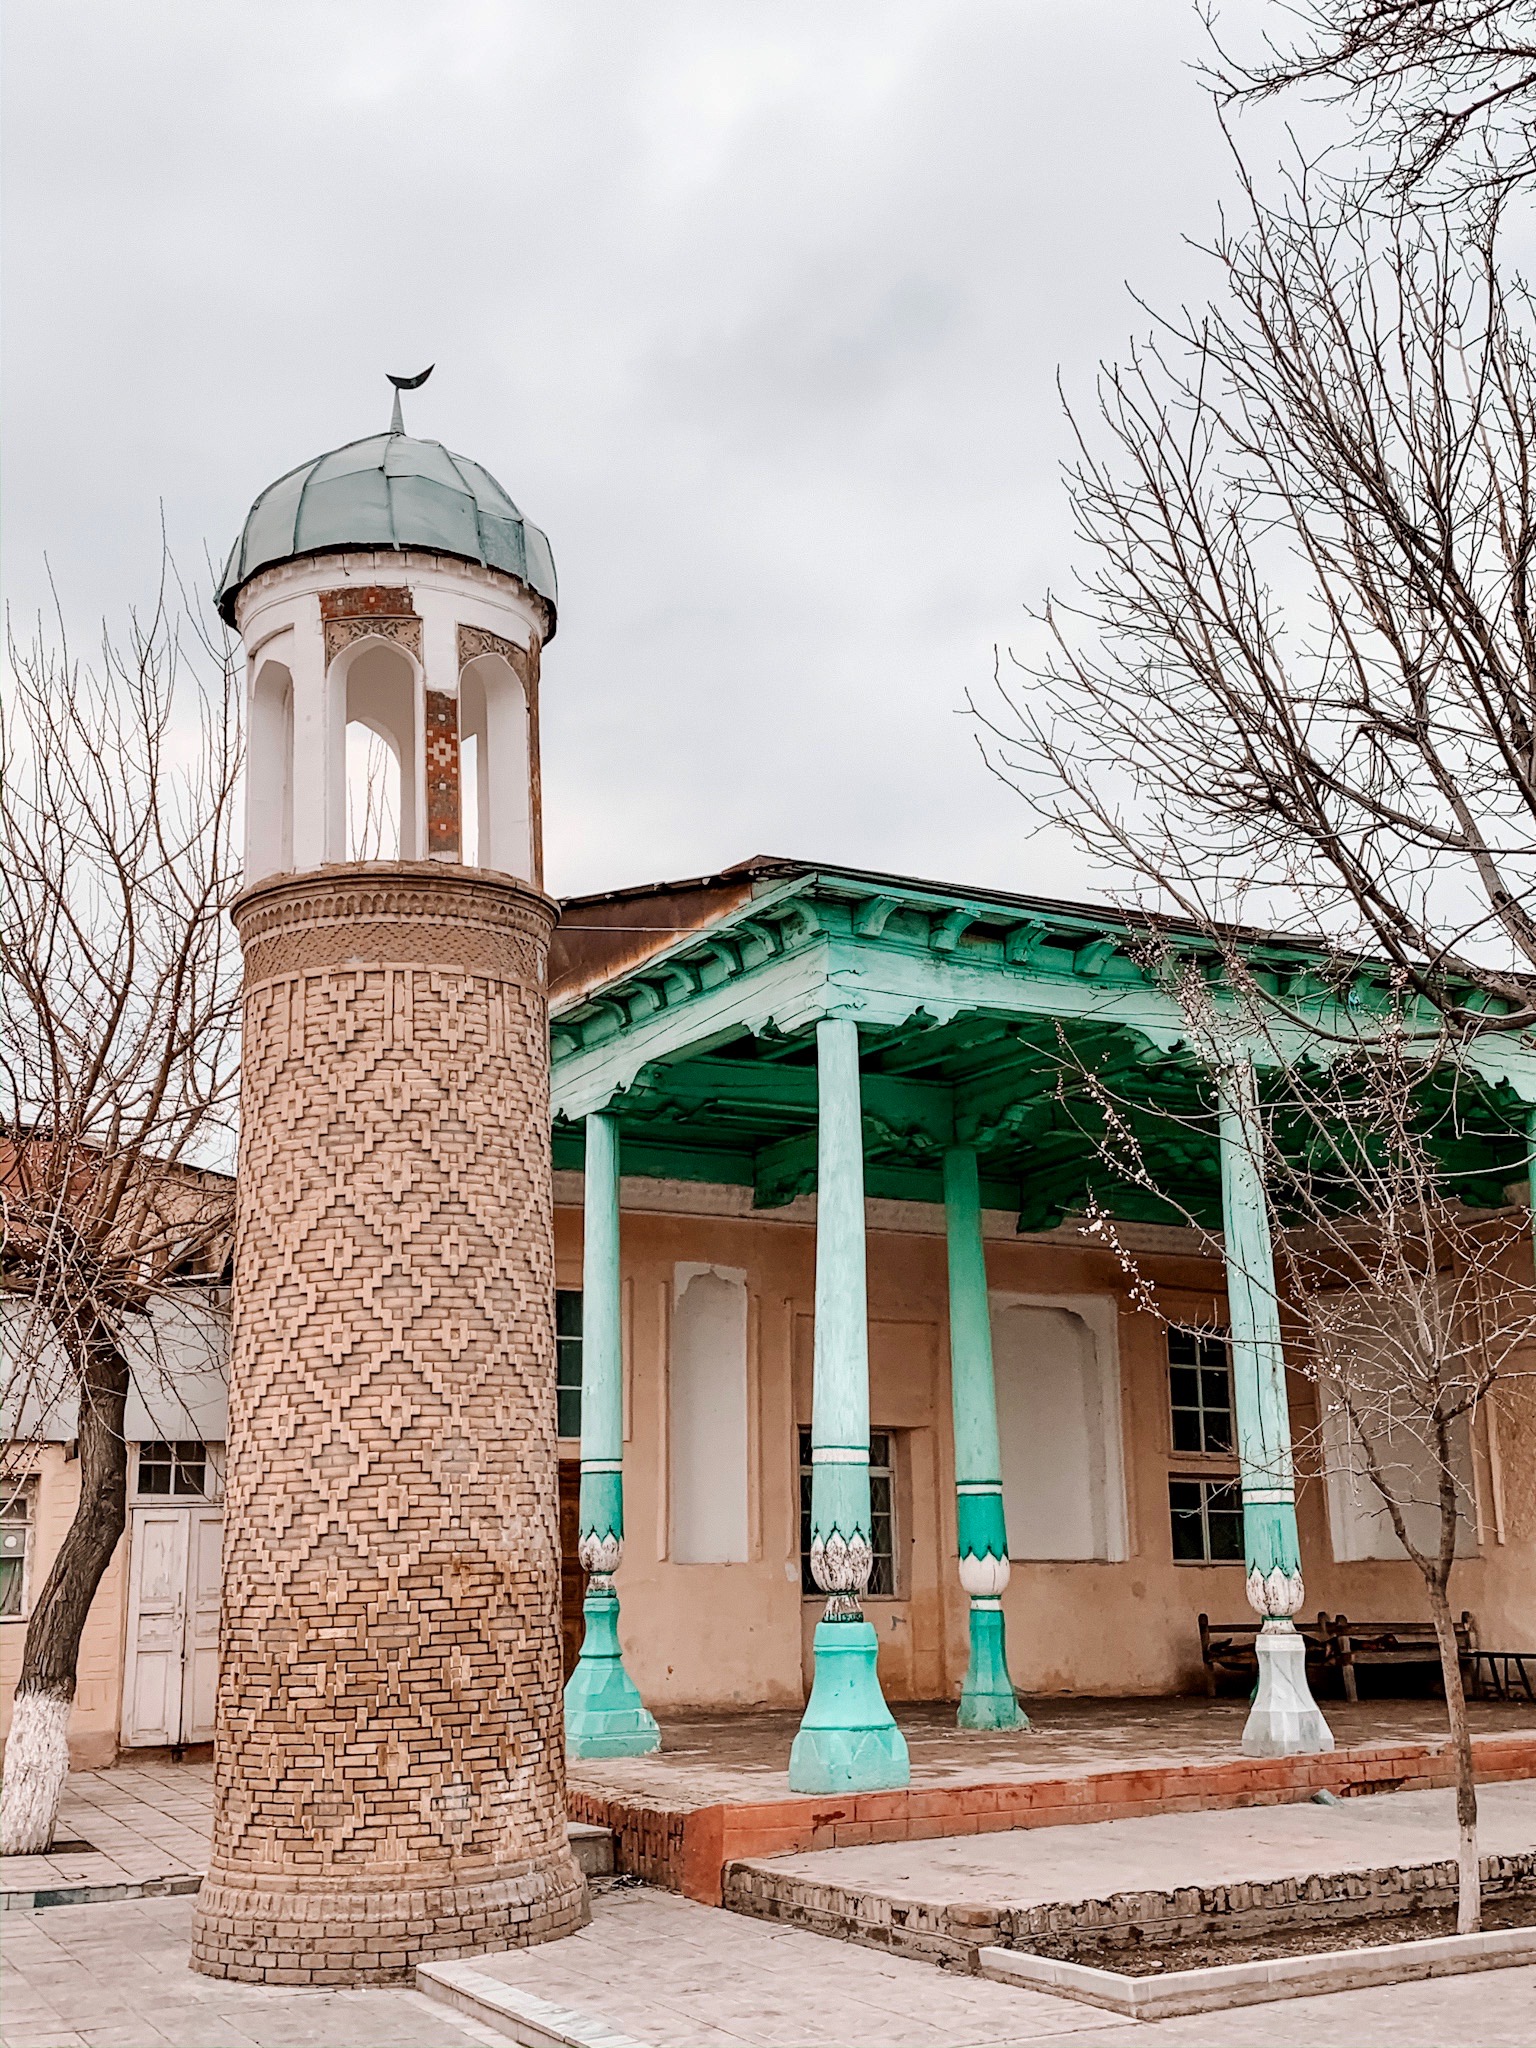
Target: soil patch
[[56, 1849], [1138, 1957]]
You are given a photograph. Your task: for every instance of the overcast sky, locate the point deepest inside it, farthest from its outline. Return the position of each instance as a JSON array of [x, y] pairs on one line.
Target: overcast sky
[[756, 306]]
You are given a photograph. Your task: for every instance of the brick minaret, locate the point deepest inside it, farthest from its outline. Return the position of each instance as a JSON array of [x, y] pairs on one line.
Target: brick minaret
[[390, 1776]]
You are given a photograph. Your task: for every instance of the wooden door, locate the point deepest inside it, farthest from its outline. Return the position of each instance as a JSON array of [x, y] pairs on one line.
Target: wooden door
[[200, 1645], [157, 1602], [572, 1577], [171, 1672]]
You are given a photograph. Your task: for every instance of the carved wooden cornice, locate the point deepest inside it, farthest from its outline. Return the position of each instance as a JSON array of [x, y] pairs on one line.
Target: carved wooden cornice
[[476, 640], [360, 611]]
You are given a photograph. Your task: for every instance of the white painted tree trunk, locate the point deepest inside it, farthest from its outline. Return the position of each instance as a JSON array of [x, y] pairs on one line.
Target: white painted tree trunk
[[36, 1765], [1469, 1917]]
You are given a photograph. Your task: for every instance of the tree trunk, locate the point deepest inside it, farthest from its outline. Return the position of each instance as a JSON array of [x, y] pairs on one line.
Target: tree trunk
[[37, 1748], [1469, 1890]]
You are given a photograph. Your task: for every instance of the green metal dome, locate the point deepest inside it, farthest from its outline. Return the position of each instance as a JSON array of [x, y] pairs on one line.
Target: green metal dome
[[389, 491]]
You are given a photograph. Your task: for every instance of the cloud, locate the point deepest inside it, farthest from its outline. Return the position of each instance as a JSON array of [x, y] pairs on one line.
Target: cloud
[[756, 309]]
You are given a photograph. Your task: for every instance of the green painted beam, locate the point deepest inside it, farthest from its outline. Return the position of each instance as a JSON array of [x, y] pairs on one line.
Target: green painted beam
[[771, 1089]]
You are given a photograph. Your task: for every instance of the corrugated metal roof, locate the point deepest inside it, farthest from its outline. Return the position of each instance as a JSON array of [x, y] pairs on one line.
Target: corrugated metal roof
[[389, 491]]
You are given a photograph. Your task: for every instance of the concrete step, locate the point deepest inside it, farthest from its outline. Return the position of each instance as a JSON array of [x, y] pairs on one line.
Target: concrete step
[[508, 2009], [592, 1847], [1068, 1892]]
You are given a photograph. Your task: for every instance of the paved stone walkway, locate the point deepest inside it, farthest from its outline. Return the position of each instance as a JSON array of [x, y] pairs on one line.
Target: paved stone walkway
[[116, 1976], [1494, 2010], [666, 1971], [670, 1973], [1040, 1866], [708, 1758], [143, 1821]]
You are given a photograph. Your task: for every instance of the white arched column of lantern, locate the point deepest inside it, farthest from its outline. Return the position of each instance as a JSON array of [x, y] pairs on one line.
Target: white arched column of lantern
[[441, 668], [377, 685], [269, 765], [494, 720]]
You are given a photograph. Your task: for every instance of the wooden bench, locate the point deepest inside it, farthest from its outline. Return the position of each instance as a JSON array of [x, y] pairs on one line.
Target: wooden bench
[[1334, 1642], [1226, 1648], [1351, 1644], [1503, 1675]]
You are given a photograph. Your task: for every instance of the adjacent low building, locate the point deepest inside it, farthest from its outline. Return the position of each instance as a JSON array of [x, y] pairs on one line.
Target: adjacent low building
[[688, 1017]]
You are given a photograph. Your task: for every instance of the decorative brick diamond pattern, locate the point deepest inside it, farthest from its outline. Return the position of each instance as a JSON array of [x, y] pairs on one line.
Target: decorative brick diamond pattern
[[390, 1777]]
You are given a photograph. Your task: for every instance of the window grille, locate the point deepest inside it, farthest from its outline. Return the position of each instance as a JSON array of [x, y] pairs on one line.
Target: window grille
[[1200, 1391], [882, 1515], [15, 1529], [1207, 1518], [178, 1470], [568, 1360]]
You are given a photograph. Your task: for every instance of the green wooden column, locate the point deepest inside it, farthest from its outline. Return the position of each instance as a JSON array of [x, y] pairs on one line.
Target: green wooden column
[[848, 1741], [1285, 1720], [604, 1713], [987, 1698]]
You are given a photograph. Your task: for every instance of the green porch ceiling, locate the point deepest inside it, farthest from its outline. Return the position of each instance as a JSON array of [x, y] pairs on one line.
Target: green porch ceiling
[[978, 1022]]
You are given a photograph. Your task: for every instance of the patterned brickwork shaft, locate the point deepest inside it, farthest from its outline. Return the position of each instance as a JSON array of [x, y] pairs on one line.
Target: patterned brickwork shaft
[[390, 1779]]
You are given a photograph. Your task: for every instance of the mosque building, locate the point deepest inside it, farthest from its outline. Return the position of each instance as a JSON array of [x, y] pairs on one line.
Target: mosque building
[[828, 1388]]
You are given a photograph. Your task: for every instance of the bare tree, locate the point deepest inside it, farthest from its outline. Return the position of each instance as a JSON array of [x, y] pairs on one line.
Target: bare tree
[[1298, 678], [1296, 686], [1405, 1305], [118, 1065], [1443, 90]]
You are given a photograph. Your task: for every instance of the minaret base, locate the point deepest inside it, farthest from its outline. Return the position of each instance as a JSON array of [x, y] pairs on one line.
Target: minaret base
[[389, 1779], [300, 1931]]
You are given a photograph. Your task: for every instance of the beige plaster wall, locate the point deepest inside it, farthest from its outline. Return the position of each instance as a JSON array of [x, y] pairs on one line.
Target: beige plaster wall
[[93, 1726], [738, 1635]]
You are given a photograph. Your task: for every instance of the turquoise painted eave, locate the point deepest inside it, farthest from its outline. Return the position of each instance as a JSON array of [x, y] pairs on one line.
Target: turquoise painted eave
[[824, 944], [971, 1012]]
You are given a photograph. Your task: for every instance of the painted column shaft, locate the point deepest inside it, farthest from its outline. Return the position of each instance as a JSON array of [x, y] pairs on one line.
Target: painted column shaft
[[840, 1403], [1285, 1720], [987, 1698], [602, 1344], [604, 1713], [848, 1741], [1258, 1362]]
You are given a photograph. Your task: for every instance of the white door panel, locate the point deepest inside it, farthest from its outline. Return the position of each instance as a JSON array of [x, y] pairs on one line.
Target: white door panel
[[156, 1622], [200, 1681], [170, 1673]]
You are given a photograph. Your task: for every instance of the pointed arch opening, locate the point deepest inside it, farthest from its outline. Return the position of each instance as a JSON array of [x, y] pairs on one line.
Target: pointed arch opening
[[378, 689], [269, 772], [496, 771]]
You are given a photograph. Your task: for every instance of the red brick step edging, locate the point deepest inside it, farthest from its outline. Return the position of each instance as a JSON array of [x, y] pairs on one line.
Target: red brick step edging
[[686, 1849]]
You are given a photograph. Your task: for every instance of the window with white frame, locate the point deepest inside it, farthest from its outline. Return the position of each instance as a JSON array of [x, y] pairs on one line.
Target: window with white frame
[[1207, 1520], [185, 1470], [17, 1499], [1205, 1506]]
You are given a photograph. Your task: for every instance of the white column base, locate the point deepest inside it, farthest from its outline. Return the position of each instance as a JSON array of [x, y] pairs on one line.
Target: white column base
[[1284, 1720]]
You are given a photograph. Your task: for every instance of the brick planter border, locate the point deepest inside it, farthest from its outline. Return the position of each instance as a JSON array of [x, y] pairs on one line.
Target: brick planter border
[[687, 1849]]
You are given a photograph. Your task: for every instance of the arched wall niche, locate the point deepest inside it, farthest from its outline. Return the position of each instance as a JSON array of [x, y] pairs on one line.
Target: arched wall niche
[[375, 695], [497, 780], [269, 770]]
